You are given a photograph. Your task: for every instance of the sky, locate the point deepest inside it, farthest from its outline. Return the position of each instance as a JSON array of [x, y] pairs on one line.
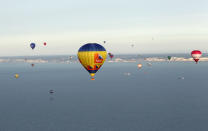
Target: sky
[[153, 26]]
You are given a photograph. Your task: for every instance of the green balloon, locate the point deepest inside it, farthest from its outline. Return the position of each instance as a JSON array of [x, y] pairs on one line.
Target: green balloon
[[169, 57]]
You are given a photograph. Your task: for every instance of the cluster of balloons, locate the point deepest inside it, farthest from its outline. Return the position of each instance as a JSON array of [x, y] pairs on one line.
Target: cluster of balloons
[[33, 45], [92, 56], [196, 54]]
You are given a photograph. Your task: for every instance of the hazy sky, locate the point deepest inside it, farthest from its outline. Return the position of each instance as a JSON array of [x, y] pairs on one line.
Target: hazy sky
[[153, 26]]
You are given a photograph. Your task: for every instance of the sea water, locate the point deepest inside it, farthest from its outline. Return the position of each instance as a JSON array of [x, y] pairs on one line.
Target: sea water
[[152, 98]]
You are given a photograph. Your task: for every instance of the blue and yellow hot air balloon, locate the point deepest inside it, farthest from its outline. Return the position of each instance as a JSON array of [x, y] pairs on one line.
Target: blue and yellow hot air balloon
[[92, 56]]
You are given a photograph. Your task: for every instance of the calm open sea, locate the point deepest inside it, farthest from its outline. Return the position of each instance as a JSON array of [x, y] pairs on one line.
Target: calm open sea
[[150, 99]]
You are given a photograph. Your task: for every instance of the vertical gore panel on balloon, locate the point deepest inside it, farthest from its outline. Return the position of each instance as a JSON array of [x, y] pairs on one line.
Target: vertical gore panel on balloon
[[88, 58]]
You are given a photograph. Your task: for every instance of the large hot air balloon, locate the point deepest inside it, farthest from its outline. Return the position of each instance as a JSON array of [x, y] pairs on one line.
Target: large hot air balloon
[[32, 45], [196, 54], [111, 55], [92, 56]]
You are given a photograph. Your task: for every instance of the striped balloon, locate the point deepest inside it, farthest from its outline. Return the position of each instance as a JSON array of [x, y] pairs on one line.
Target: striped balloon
[[92, 56], [196, 54]]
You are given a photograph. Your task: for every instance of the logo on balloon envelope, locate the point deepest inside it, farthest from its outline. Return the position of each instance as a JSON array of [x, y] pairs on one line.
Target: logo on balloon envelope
[[95, 67], [98, 58]]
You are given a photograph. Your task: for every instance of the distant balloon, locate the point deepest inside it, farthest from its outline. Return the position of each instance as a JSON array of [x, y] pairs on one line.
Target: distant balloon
[[92, 56], [111, 55], [32, 45], [104, 42], [70, 57], [51, 91], [16, 76], [196, 54], [44, 43], [139, 66], [169, 58], [32, 65]]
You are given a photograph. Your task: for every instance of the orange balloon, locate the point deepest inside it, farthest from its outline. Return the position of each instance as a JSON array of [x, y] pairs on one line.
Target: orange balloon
[[139, 66]]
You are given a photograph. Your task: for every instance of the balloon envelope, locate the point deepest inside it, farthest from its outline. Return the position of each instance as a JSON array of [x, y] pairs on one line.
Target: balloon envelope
[[32, 45], [92, 56], [16, 76], [196, 54], [139, 66], [44, 43], [51, 91], [169, 57], [111, 55]]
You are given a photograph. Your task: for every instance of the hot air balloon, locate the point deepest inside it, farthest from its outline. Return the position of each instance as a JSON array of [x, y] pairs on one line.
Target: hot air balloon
[[44, 43], [16, 76], [111, 55], [70, 57], [32, 65], [196, 54], [32, 45], [51, 91], [139, 66], [169, 58], [104, 42], [92, 56]]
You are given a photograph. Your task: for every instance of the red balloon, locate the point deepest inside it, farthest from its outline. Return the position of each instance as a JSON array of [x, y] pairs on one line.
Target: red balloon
[[111, 55], [196, 54], [44, 44]]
